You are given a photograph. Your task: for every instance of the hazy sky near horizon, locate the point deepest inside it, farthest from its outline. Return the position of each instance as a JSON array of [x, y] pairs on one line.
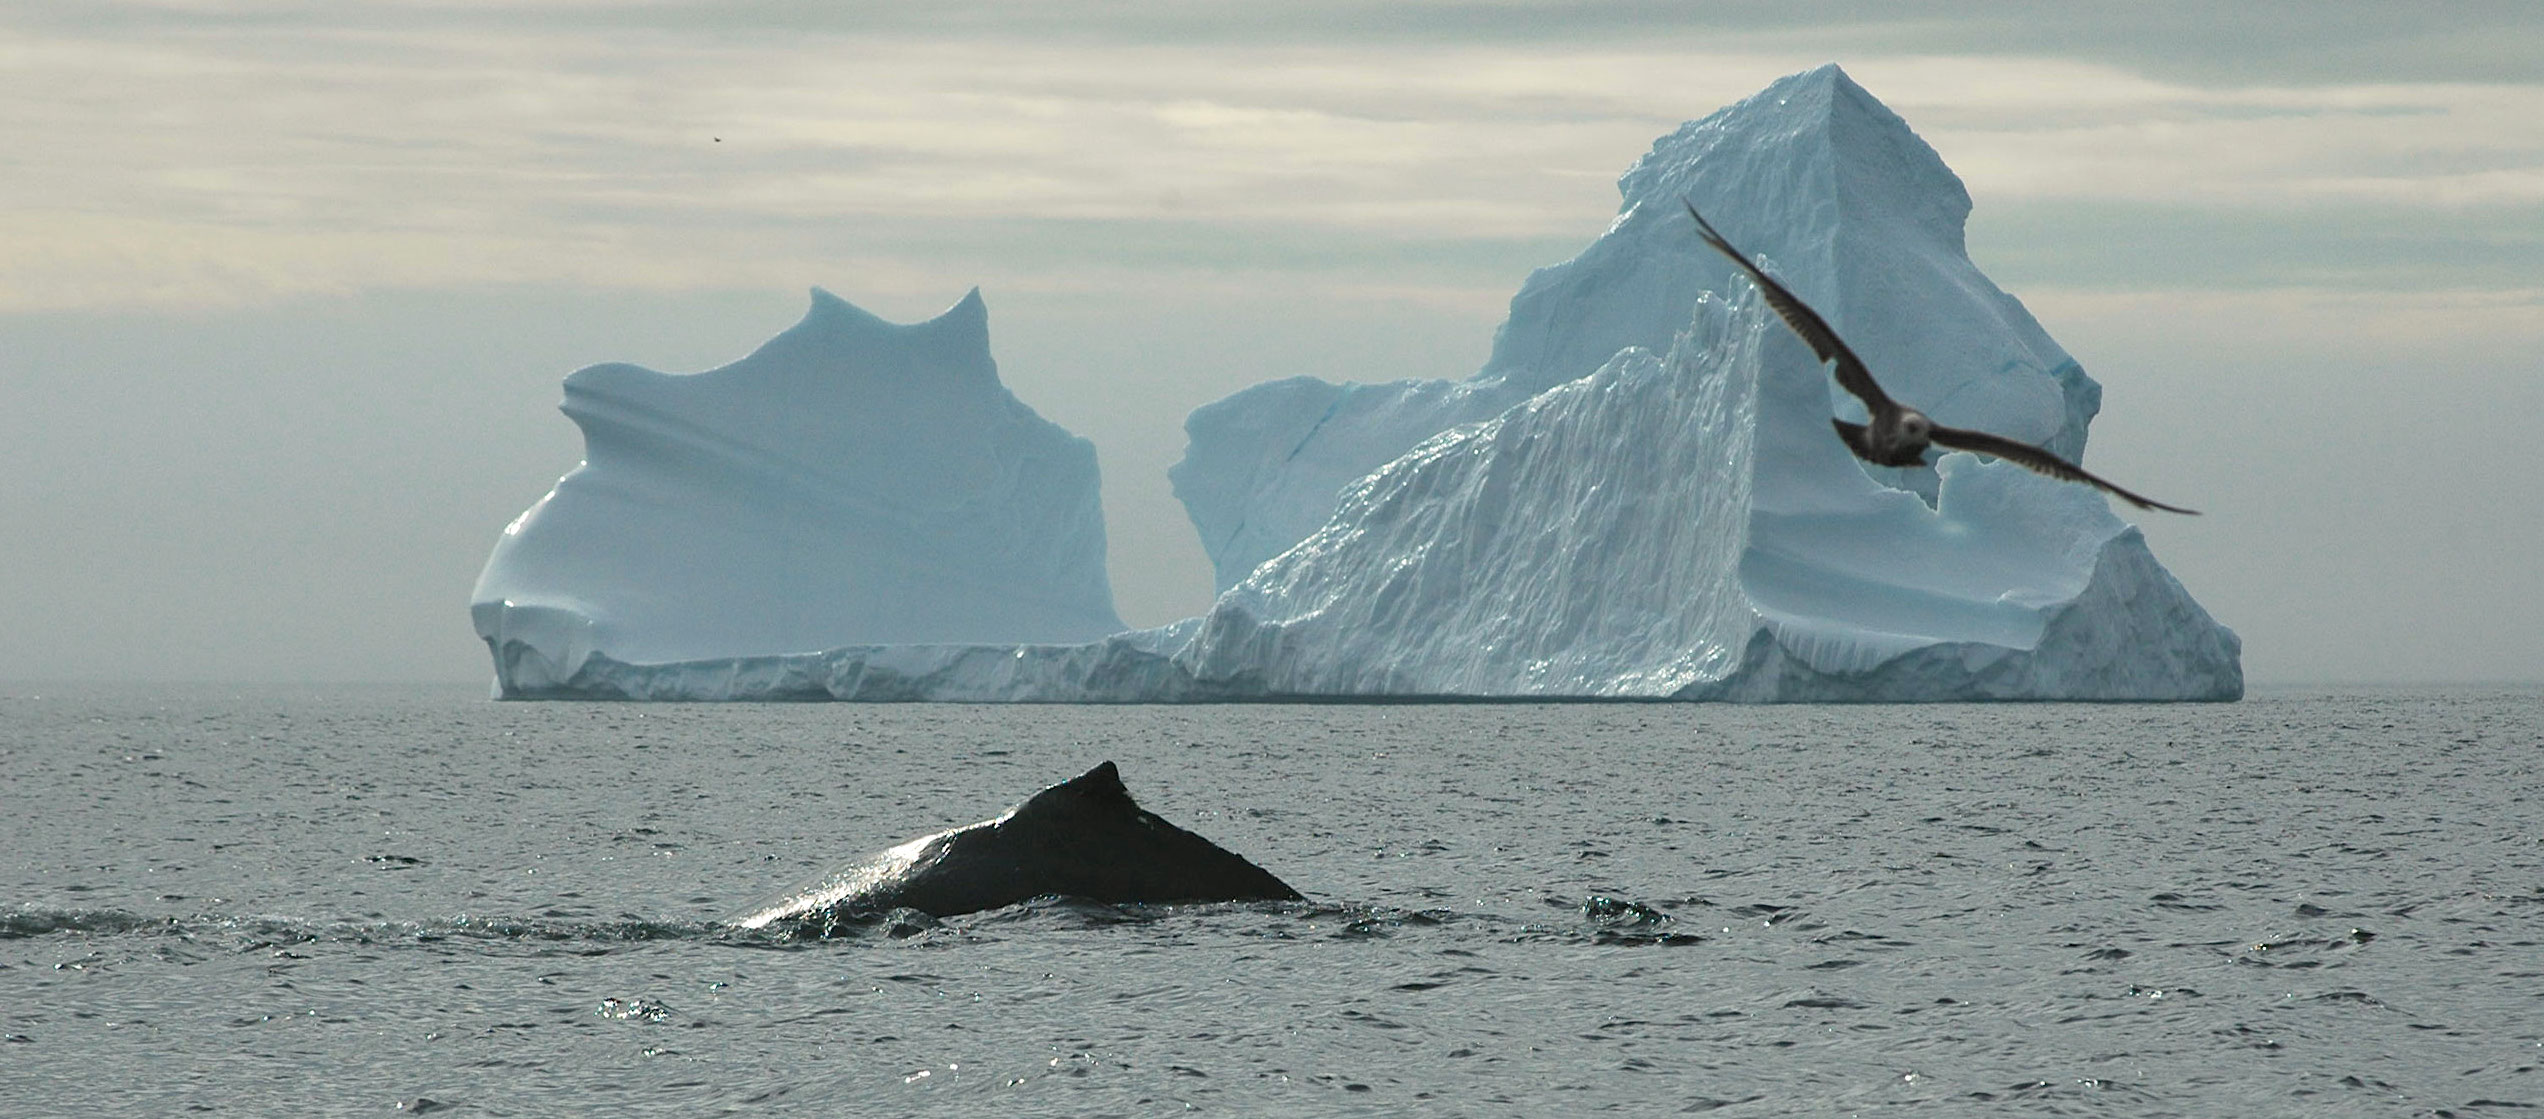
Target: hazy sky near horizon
[[287, 288]]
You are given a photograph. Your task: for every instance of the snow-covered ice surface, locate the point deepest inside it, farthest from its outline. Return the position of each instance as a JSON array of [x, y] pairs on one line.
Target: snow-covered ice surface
[[852, 481], [1639, 496]]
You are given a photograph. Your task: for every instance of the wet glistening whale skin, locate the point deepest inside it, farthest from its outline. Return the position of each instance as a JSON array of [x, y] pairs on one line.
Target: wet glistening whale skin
[[1083, 838]]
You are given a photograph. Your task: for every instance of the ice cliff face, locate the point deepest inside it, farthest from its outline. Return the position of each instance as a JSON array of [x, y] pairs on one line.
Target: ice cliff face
[[1687, 527], [851, 482], [1639, 496]]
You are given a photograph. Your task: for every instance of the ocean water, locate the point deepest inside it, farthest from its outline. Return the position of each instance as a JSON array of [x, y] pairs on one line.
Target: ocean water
[[369, 901]]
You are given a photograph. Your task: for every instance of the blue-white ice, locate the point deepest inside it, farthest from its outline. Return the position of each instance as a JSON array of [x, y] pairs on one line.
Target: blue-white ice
[[1639, 496], [851, 482]]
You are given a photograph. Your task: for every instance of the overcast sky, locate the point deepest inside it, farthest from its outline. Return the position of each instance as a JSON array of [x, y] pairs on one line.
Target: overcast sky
[[287, 289]]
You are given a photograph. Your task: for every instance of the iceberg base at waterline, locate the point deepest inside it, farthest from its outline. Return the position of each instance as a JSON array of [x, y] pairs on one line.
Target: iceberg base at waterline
[[1460, 571]]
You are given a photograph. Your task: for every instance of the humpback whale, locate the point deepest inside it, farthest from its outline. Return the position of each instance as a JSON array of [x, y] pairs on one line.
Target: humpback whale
[[1084, 838], [1898, 435]]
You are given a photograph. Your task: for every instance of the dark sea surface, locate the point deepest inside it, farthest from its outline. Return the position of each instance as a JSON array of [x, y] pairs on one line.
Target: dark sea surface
[[375, 901]]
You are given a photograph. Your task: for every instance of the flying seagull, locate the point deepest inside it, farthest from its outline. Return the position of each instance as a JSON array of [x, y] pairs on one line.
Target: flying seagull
[[1898, 434]]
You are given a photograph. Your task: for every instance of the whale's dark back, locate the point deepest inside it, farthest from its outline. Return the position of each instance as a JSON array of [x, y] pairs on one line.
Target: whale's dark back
[[1083, 838]]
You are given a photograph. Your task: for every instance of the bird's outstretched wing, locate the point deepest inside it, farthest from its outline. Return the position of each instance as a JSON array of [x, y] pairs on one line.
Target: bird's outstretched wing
[[1853, 436], [2033, 458], [1815, 331]]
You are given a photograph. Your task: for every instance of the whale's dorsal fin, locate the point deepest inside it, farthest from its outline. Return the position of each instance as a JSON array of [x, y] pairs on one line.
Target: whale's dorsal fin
[[1100, 785]]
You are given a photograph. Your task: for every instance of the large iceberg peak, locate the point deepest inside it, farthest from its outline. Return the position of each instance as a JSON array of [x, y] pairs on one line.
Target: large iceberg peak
[[1854, 212], [1850, 207], [1801, 172], [1821, 125], [852, 481]]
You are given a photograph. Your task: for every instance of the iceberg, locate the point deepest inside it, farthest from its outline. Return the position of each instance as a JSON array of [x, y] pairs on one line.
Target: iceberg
[[1659, 509], [852, 481], [1638, 497]]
